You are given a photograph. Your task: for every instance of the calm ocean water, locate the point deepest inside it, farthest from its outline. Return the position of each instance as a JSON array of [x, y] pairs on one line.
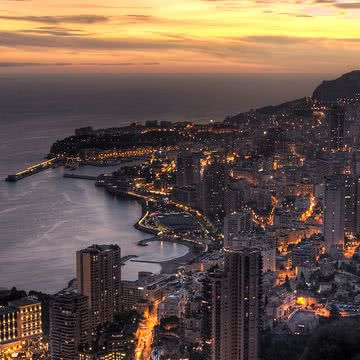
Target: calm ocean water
[[45, 218]]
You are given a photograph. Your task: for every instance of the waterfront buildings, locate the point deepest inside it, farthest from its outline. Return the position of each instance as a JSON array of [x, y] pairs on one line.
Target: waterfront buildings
[[147, 289], [99, 279], [69, 325], [29, 317], [236, 302], [19, 321]]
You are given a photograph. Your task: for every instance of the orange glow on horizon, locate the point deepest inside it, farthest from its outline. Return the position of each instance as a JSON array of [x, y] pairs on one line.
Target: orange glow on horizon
[[175, 37]]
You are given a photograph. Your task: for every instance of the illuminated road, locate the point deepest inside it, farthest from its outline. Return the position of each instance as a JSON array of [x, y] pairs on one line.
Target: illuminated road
[[264, 221], [309, 212], [154, 198], [144, 334], [115, 154]]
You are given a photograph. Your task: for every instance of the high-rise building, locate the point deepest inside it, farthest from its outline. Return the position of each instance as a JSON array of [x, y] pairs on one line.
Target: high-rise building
[[351, 205], [187, 168], [236, 223], [99, 279], [336, 123], [357, 205], [350, 200], [185, 195], [69, 325], [236, 194], [212, 191], [352, 122], [237, 306], [255, 239], [334, 213], [304, 253], [355, 163], [217, 280]]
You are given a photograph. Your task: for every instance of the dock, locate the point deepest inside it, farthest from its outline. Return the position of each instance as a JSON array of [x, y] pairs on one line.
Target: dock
[[126, 258], [32, 170], [148, 261], [77, 176]]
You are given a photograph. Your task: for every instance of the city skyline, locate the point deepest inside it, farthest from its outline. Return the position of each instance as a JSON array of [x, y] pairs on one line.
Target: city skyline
[[191, 36], [180, 180]]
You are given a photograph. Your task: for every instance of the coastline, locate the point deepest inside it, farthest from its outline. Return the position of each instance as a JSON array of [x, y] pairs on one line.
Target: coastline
[[167, 266], [170, 266]]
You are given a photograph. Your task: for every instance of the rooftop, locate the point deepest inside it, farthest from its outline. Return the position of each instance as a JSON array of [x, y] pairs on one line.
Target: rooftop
[[24, 302], [96, 249], [4, 310]]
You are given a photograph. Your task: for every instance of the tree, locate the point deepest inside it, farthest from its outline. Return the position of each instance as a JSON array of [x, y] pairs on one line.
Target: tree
[[281, 346], [339, 340]]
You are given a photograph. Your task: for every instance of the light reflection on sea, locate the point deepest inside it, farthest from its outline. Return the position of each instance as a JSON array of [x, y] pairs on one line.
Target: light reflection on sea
[[46, 218]]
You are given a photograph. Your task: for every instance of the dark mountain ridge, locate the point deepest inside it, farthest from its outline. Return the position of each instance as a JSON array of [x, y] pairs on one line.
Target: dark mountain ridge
[[346, 86]]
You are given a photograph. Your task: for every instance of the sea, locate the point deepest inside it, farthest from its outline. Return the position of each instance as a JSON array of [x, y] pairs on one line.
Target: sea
[[46, 218]]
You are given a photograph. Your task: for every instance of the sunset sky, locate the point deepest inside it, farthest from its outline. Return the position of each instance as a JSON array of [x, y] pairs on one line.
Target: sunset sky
[[175, 36]]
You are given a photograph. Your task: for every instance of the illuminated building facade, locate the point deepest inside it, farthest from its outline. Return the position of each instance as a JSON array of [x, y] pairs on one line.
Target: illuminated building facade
[[20, 320], [99, 279], [8, 325], [69, 325], [28, 317], [111, 355]]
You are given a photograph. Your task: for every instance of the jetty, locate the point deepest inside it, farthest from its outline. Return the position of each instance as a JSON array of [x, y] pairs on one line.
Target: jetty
[[78, 176], [32, 170], [126, 258]]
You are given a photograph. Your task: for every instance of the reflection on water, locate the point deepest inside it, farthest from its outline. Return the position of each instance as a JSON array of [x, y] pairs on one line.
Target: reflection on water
[[45, 218]]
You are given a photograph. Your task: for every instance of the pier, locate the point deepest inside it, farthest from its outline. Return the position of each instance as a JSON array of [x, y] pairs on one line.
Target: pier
[[77, 176], [33, 170], [126, 258], [148, 261]]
